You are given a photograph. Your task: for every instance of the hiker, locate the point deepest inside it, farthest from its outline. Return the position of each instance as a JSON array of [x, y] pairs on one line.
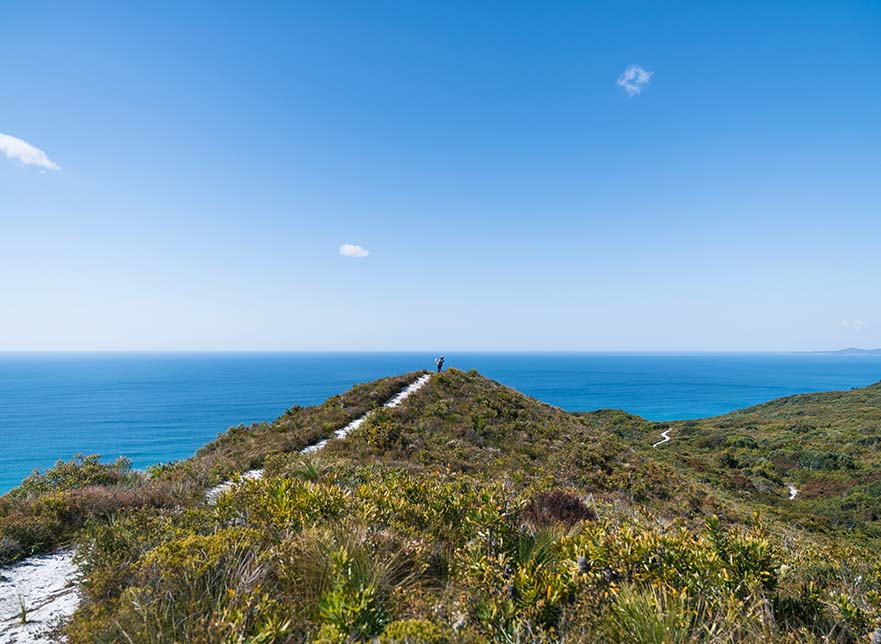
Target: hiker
[[440, 363]]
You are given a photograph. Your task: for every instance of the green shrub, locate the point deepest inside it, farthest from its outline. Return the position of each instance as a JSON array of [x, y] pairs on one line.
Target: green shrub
[[41, 522], [81, 471], [413, 631], [647, 616], [282, 503], [198, 588]]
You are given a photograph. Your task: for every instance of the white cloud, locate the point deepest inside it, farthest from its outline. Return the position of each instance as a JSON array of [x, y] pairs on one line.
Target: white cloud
[[855, 325], [353, 250], [634, 79], [26, 153]]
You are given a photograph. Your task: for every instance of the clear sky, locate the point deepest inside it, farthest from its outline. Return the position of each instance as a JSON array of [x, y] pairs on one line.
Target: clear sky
[[448, 175]]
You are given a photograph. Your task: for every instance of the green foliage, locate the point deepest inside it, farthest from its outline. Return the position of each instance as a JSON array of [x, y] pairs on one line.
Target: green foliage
[[413, 631], [824, 444], [646, 615], [520, 579], [246, 447], [281, 503], [475, 514], [109, 551], [351, 605], [380, 431], [47, 509], [216, 577], [81, 471]]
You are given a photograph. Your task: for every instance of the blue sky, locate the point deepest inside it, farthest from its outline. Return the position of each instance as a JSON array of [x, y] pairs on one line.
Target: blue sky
[[511, 194]]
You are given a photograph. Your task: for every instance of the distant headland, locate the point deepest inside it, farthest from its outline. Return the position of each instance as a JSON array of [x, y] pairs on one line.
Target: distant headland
[[850, 351]]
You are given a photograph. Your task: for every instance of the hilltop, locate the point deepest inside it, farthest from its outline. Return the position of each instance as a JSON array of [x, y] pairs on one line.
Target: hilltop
[[473, 513]]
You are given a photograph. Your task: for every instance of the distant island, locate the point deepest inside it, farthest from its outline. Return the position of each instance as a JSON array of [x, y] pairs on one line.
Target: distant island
[[850, 351]]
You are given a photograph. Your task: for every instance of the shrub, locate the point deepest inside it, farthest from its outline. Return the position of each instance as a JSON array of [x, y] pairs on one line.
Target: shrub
[[557, 506], [108, 552], [347, 576], [44, 521], [81, 471], [647, 616], [281, 503], [520, 579], [380, 430], [199, 588], [413, 631]]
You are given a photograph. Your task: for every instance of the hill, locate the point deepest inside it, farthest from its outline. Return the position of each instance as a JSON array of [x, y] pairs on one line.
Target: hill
[[826, 446], [473, 513]]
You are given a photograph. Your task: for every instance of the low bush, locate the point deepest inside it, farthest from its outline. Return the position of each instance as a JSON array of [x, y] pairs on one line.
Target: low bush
[[81, 471], [557, 506], [48, 511]]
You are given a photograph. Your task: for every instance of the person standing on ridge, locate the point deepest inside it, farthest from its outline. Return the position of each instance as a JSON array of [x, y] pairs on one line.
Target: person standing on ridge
[[440, 363]]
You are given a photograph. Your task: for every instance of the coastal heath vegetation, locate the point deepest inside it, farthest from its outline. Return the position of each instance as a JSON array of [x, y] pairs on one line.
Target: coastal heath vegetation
[[473, 513], [48, 508]]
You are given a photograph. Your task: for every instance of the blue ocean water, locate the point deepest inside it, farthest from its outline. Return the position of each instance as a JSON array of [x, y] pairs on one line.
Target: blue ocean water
[[160, 407]]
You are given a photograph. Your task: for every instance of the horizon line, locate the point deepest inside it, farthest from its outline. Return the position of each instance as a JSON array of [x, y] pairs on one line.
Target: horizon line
[[436, 351]]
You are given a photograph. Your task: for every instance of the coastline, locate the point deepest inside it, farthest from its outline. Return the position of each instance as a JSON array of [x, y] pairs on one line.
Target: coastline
[[158, 408]]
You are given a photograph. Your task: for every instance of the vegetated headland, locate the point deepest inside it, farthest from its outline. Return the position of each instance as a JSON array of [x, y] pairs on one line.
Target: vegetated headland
[[469, 512]]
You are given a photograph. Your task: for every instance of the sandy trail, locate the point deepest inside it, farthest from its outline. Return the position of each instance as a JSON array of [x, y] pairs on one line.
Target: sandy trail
[[214, 493], [44, 584], [408, 391], [666, 438], [395, 401]]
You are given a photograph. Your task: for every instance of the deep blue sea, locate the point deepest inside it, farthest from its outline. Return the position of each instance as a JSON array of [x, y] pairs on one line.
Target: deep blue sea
[[160, 407]]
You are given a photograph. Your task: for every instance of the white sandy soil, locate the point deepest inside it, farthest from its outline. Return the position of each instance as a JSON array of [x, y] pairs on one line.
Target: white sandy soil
[[666, 436], [44, 584]]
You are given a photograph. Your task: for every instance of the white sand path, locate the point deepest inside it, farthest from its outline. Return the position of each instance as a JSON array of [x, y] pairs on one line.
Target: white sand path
[[666, 438], [214, 493], [45, 586]]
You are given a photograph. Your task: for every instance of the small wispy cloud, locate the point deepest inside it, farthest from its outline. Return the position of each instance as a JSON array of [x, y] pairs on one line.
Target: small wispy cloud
[[25, 153], [353, 250], [634, 79], [855, 325]]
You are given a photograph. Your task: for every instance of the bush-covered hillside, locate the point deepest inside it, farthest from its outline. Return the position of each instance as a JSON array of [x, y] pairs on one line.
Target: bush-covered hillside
[[471, 513], [48, 508], [827, 446]]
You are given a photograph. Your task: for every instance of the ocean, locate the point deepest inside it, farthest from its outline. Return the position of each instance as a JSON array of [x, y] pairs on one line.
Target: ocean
[[163, 406]]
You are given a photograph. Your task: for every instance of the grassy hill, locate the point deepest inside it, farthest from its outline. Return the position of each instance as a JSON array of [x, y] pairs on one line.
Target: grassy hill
[[473, 513]]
